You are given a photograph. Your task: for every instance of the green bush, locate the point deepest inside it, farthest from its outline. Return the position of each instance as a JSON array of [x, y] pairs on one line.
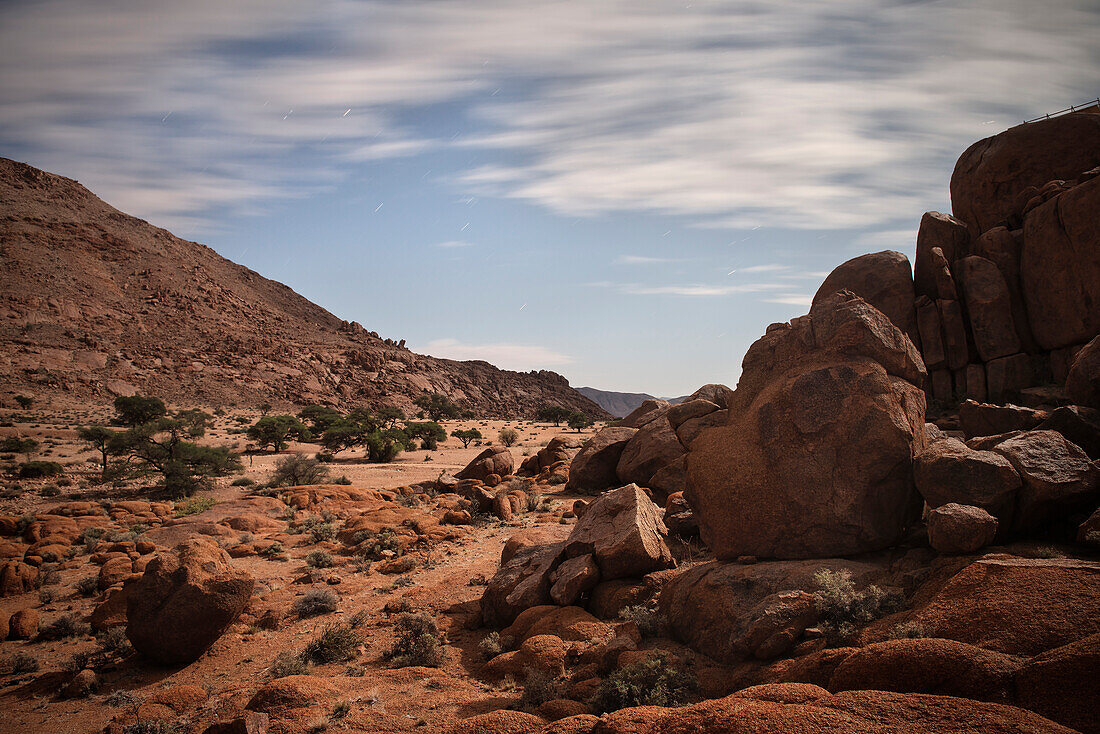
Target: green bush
[[538, 688], [39, 469], [319, 559], [842, 609], [286, 663], [64, 627], [242, 482], [654, 681], [508, 436], [88, 585], [193, 506], [316, 602], [21, 662], [373, 545], [114, 640], [296, 470], [418, 642], [647, 620]]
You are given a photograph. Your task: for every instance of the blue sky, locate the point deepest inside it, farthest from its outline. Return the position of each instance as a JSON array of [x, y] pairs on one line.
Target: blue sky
[[624, 192]]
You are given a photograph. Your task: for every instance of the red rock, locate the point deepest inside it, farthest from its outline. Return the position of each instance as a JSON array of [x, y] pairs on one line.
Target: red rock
[[1063, 686], [1060, 267], [948, 471], [954, 333], [502, 507], [937, 231], [1018, 606], [689, 430], [992, 174], [608, 598], [955, 528], [1083, 380], [571, 624], [930, 327], [688, 410], [82, 685], [115, 571], [493, 460], [1058, 477], [17, 578], [943, 388], [983, 419], [882, 279], [538, 535], [111, 612], [1078, 424], [824, 426], [653, 447], [649, 410], [975, 383], [624, 532], [184, 602], [593, 468], [499, 722], [560, 708], [945, 282], [1007, 376], [578, 724], [23, 624], [283, 697], [252, 722], [559, 448], [573, 578], [521, 583], [1002, 247], [989, 307]]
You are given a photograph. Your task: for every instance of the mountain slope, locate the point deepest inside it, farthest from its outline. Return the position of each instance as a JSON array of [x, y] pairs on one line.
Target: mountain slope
[[618, 404], [94, 302]]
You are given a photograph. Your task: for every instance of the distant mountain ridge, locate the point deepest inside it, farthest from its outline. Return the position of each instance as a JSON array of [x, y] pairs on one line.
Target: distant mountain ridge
[[96, 303], [620, 404]]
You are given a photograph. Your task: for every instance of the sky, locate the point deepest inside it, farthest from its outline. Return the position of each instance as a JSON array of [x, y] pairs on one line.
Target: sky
[[624, 191]]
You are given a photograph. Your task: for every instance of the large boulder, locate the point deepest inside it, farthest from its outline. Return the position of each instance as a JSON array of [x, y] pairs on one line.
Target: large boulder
[[949, 471], [989, 307], [184, 602], [593, 467], [559, 448], [950, 237], [990, 182], [928, 665], [623, 531], [1058, 478], [522, 582], [816, 459], [1060, 266], [1078, 424], [1083, 381], [714, 392], [884, 280], [651, 449], [730, 611], [1002, 247], [1018, 606], [493, 460], [955, 528], [985, 419], [649, 409], [1062, 684]]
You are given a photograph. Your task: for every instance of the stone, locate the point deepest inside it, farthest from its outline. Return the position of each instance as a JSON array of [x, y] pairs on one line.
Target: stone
[[1002, 247], [671, 479], [1078, 424], [689, 409], [114, 571], [945, 282], [184, 602], [1062, 685], [593, 468], [984, 419], [989, 308], [573, 578], [521, 583], [954, 333], [1007, 376], [714, 392], [17, 578], [502, 507], [991, 174], [285, 697], [729, 611], [537, 535], [652, 448], [1088, 533], [816, 459], [252, 722], [23, 624], [1018, 606], [948, 471], [649, 410], [975, 383], [937, 231], [1058, 478], [882, 279], [624, 533], [499, 722], [927, 665], [493, 460], [930, 328], [111, 611], [559, 448], [571, 624], [943, 388], [689, 430], [82, 685], [956, 529], [1060, 267], [1083, 379]]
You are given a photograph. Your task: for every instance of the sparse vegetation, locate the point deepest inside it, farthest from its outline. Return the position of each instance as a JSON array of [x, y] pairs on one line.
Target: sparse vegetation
[[193, 506], [418, 642], [578, 421], [296, 470], [490, 645], [64, 627], [39, 469], [466, 436], [275, 430], [909, 631], [437, 406], [654, 681], [319, 558], [88, 586], [335, 644], [286, 663], [647, 619], [114, 640], [22, 662], [538, 688], [508, 436], [842, 609]]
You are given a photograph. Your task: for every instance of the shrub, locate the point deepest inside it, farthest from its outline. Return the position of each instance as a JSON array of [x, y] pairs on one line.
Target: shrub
[[335, 644], [286, 663], [909, 631], [418, 642], [193, 506], [114, 640], [242, 482], [534, 499], [64, 627], [322, 531], [508, 436], [120, 699], [654, 681], [274, 549], [538, 688], [648, 620], [88, 585], [21, 662], [50, 490], [319, 559], [152, 726], [39, 469], [490, 645], [373, 545], [316, 602], [296, 470], [842, 609]]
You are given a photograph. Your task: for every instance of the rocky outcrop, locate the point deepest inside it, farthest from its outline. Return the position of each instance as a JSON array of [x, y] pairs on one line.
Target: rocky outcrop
[[1058, 477], [955, 528], [558, 449], [1083, 380], [493, 460], [948, 471], [594, 466], [1062, 685], [184, 602], [882, 279], [620, 535], [817, 457]]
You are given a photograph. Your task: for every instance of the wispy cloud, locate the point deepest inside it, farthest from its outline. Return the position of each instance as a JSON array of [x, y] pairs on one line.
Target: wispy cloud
[[520, 357], [734, 114], [770, 268], [793, 299], [691, 289], [453, 244], [643, 260]]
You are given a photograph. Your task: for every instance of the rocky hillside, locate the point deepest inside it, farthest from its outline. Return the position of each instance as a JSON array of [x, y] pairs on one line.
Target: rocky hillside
[[96, 302]]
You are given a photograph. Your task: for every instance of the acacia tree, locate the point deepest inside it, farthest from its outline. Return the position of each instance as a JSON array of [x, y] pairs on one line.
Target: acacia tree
[[430, 433], [466, 436], [437, 406], [553, 414], [103, 440], [274, 430], [136, 410], [320, 417], [578, 421], [389, 416]]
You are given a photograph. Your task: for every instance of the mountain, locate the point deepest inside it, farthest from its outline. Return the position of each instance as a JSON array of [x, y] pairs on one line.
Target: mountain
[[620, 404], [95, 303]]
